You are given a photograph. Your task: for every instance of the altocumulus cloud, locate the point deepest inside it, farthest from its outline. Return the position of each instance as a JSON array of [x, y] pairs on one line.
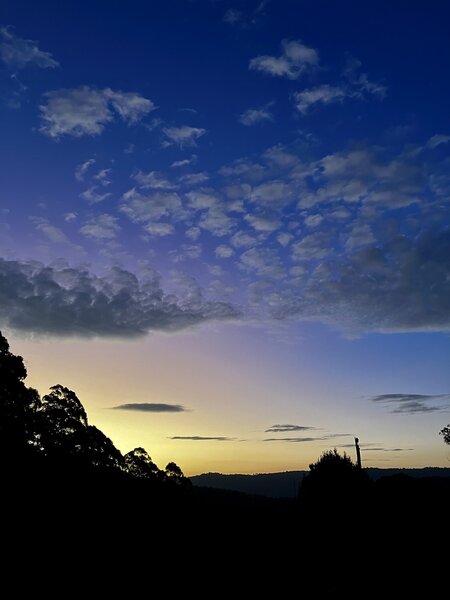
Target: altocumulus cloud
[[72, 301], [86, 110], [153, 407]]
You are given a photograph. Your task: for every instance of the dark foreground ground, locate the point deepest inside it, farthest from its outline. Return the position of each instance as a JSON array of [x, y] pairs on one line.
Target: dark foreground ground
[[65, 529]]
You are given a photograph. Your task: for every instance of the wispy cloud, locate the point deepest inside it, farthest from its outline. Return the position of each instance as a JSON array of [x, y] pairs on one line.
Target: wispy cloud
[[183, 137], [86, 111], [82, 169], [18, 53], [437, 139], [285, 428], [414, 403], [322, 94], [295, 59], [329, 436], [153, 407], [202, 438], [255, 116]]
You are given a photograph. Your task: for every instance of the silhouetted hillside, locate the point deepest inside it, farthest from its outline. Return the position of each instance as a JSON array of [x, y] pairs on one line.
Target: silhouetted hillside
[[286, 484]]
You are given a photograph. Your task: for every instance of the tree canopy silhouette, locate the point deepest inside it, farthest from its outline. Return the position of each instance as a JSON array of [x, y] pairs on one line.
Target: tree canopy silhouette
[[55, 429], [445, 432]]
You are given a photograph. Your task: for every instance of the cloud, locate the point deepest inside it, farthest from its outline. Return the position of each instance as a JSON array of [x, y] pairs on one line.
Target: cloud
[[233, 16], [223, 251], [159, 229], [330, 436], [149, 208], [92, 196], [65, 301], [261, 223], [287, 427], [272, 194], [101, 227], [253, 116], [82, 169], [153, 180], [217, 222], [54, 234], [437, 140], [18, 53], [201, 438], [151, 407], [183, 137], [413, 403], [296, 59], [402, 284], [357, 86], [322, 94], [86, 111], [184, 163]]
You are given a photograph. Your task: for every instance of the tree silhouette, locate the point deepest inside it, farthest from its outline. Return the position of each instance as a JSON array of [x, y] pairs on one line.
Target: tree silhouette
[[56, 429], [140, 465], [175, 474], [445, 432], [17, 402]]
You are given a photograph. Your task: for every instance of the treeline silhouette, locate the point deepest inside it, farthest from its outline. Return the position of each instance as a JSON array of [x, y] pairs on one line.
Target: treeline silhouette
[[64, 481], [53, 433]]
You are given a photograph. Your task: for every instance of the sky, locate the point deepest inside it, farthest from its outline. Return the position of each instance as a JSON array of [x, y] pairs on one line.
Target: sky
[[225, 224]]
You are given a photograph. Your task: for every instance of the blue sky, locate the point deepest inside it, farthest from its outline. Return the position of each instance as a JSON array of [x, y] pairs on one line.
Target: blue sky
[[270, 176]]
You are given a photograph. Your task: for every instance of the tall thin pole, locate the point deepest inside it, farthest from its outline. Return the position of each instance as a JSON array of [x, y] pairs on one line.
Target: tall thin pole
[[358, 453]]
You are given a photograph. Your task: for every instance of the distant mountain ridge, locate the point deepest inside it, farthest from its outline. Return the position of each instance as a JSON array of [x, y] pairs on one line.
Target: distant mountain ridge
[[285, 484]]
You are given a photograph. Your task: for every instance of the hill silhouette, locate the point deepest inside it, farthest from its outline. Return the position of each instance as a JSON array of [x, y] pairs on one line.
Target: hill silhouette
[[285, 484]]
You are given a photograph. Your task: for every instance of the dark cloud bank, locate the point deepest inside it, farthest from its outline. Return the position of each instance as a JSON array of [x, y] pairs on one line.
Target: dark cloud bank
[[283, 428], [72, 301], [401, 285]]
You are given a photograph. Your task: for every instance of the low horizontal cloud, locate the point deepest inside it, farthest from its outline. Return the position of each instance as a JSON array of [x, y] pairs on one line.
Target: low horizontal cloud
[[201, 438], [154, 407], [52, 300], [414, 403], [329, 436], [86, 110], [283, 428]]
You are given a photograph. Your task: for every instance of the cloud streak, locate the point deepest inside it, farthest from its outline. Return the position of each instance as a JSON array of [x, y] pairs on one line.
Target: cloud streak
[[201, 438], [284, 428], [153, 407], [18, 53], [330, 436], [411, 404]]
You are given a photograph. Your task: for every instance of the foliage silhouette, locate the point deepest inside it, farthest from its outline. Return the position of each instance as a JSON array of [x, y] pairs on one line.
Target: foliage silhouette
[[445, 432]]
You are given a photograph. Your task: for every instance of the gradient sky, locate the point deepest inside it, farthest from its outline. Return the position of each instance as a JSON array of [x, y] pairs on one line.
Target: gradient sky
[[225, 225]]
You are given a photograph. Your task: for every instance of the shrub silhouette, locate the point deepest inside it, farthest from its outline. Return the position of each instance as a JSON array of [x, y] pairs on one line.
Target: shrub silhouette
[[333, 480]]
